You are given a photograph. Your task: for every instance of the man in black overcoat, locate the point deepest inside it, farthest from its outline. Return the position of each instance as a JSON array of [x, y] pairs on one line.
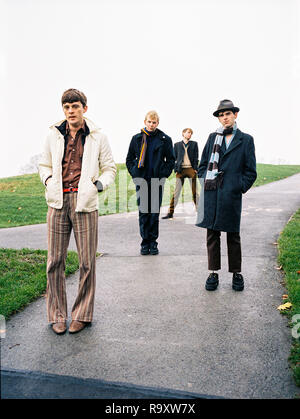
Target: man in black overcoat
[[150, 160], [227, 170], [186, 165]]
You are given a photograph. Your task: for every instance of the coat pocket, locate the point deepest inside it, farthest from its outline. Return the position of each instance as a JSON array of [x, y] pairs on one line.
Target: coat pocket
[[87, 196], [52, 192], [137, 172], [164, 171], [233, 183]]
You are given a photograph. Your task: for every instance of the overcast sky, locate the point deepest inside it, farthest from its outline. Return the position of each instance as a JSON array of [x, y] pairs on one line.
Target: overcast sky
[[179, 57]]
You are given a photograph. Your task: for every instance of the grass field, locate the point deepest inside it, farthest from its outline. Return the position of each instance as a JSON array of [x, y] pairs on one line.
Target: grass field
[[289, 259], [22, 199], [23, 277]]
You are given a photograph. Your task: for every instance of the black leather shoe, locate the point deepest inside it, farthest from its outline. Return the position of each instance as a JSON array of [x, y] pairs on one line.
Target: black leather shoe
[[212, 282], [145, 249], [237, 282], [153, 249], [169, 215]]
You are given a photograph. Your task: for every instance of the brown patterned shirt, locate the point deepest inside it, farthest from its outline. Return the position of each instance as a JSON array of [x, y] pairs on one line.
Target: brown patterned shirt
[[72, 160]]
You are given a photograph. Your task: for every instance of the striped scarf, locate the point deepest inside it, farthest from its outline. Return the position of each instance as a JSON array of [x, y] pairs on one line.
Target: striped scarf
[[214, 178], [143, 148]]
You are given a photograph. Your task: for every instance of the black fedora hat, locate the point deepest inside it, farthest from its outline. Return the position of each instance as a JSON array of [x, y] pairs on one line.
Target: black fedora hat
[[226, 105]]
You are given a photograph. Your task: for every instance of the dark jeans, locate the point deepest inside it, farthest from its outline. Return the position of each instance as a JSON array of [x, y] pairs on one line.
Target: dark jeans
[[149, 198], [233, 250]]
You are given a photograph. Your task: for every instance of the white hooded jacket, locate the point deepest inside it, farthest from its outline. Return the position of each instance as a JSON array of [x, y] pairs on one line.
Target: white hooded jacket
[[96, 156]]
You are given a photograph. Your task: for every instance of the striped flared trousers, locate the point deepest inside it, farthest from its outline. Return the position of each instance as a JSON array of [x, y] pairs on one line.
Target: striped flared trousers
[[60, 223]]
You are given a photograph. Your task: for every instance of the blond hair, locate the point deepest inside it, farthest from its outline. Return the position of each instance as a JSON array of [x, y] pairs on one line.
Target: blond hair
[[187, 129], [152, 115]]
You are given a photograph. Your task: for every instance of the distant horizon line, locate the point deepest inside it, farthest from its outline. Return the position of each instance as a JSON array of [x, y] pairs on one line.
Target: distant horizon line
[[284, 163]]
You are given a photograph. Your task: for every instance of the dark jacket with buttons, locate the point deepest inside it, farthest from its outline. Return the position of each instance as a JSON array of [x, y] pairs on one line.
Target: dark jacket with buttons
[[163, 157], [192, 152]]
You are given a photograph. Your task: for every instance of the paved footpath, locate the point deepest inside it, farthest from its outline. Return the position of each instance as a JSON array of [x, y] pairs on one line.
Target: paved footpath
[[155, 326]]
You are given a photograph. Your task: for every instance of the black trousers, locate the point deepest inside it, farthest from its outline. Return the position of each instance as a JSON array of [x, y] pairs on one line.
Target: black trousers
[[149, 198], [234, 251]]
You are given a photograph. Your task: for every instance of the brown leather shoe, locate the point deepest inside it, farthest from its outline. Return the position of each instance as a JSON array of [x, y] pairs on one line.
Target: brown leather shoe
[[77, 326], [59, 328]]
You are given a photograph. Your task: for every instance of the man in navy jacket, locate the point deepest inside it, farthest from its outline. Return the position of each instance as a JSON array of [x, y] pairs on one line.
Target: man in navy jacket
[[150, 161]]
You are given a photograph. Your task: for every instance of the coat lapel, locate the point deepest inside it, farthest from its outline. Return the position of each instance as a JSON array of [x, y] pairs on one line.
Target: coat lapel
[[190, 150], [160, 143], [223, 148], [180, 151], [237, 140], [139, 144]]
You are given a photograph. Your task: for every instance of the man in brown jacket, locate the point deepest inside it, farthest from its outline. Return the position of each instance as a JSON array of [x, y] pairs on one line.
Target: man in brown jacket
[[186, 164]]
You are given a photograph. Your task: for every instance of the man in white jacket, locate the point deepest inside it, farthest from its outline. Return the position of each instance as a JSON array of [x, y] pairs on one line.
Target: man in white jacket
[[75, 152]]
